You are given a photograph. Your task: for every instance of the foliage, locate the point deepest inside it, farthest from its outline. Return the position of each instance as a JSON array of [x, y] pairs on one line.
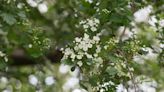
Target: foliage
[[101, 38]]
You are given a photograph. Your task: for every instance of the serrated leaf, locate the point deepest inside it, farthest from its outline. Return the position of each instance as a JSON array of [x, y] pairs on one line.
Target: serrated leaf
[[8, 18], [22, 14], [111, 71]]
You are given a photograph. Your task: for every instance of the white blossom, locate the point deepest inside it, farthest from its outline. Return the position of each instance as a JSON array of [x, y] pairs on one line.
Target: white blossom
[[152, 21], [161, 23], [93, 29], [104, 87], [63, 69], [30, 45], [80, 63], [42, 8], [32, 3], [79, 56], [162, 45], [89, 56], [78, 39], [20, 5], [33, 80], [96, 38], [85, 26], [121, 88], [142, 15], [3, 80], [89, 1], [71, 83], [90, 24], [2, 54], [49, 80], [7, 90]]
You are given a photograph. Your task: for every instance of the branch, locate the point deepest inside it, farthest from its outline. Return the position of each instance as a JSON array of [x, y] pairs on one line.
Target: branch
[[122, 34]]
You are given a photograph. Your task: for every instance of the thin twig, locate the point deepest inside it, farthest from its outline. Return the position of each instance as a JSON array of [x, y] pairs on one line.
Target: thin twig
[[126, 61], [122, 34]]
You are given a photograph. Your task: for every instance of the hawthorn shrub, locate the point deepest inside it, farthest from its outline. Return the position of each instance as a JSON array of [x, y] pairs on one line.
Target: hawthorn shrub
[[116, 45]]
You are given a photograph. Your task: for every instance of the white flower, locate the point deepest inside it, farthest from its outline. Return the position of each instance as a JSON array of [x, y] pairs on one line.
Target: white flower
[[127, 34], [79, 56], [49, 80], [161, 45], [105, 47], [161, 23], [76, 48], [85, 26], [102, 90], [33, 80], [68, 51], [80, 63], [42, 8], [90, 45], [100, 60], [71, 83], [3, 80], [121, 88], [6, 59], [95, 55], [152, 20], [77, 90], [85, 48], [32, 3], [63, 69], [86, 36], [30, 45], [20, 5], [7, 90], [2, 54], [93, 29], [98, 49], [73, 56], [91, 24], [97, 21], [96, 38], [89, 1], [78, 39], [89, 56], [82, 22], [142, 15]]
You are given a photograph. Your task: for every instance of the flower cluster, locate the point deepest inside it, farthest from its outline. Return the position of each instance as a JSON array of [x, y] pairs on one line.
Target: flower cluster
[[39, 40], [89, 50], [44, 43], [82, 48], [90, 24], [86, 47], [105, 86], [33, 80]]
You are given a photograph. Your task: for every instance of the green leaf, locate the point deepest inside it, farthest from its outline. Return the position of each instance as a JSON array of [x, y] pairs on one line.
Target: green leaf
[[93, 80], [8, 18], [22, 14], [111, 71]]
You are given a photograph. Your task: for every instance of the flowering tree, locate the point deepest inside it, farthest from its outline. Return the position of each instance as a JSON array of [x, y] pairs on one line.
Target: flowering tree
[[114, 45]]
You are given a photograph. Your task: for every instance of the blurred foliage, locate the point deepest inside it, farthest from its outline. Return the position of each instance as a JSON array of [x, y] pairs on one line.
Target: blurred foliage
[[25, 26]]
